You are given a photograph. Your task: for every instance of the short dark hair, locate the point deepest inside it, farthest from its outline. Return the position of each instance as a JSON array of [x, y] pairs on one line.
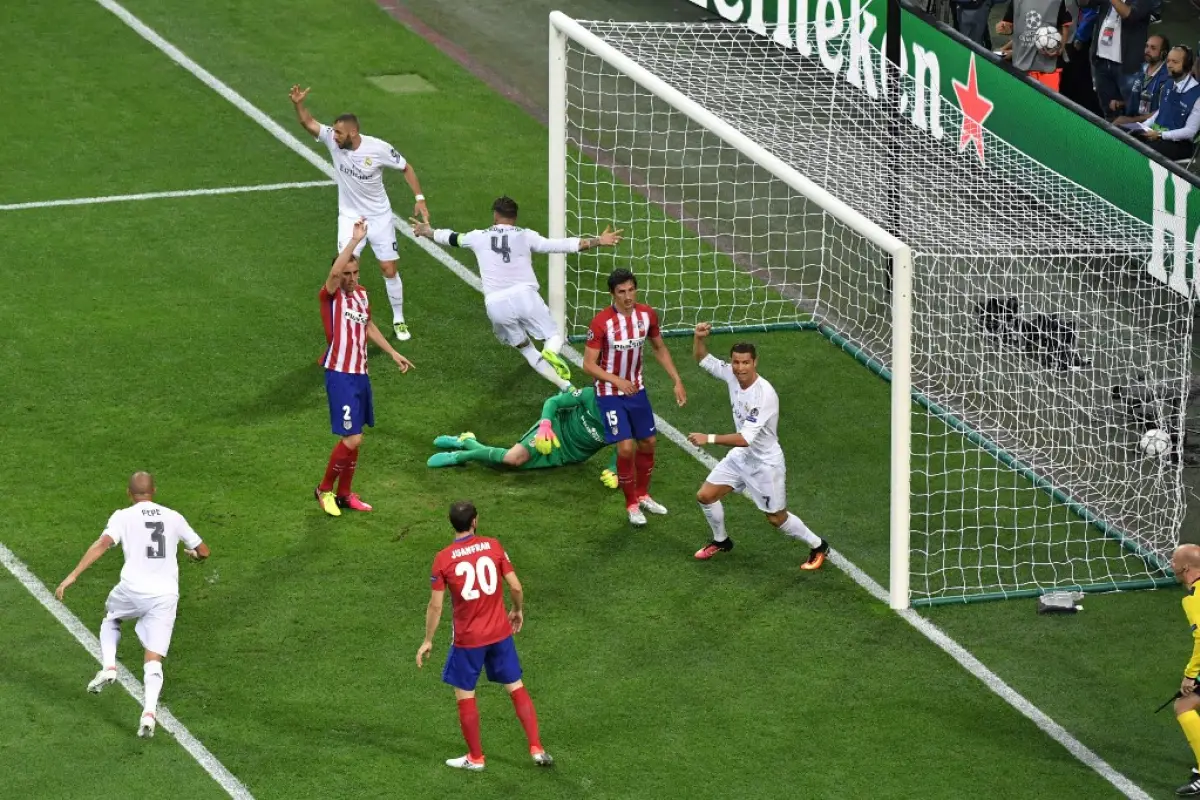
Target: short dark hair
[[462, 514], [353, 258], [744, 347], [1166, 43], [506, 207], [620, 276], [353, 120]]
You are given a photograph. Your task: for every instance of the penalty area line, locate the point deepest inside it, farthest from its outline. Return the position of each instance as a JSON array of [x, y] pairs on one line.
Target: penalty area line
[[127, 198], [934, 634], [166, 720]]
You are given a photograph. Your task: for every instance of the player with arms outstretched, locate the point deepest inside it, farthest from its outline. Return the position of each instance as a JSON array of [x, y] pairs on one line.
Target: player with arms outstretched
[[613, 358], [510, 287], [149, 535], [359, 161], [568, 432], [346, 314], [471, 569], [755, 463]]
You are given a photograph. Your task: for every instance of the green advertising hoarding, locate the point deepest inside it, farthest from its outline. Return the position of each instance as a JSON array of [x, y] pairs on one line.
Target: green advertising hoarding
[[946, 71]]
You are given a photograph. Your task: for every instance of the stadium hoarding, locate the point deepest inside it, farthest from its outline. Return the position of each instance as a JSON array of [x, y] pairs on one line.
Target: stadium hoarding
[[947, 71]]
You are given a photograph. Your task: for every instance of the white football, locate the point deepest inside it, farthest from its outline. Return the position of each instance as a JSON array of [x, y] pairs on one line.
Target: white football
[[1155, 442], [1047, 39]]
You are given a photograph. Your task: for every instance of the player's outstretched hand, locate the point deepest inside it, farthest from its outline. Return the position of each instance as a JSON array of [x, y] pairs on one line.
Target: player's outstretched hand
[[545, 440], [403, 363], [516, 619], [609, 479], [360, 230], [297, 95], [62, 587], [609, 238], [421, 228], [422, 652], [680, 394], [703, 329], [421, 210], [698, 439]]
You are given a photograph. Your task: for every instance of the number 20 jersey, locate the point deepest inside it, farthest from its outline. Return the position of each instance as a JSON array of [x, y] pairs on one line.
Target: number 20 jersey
[[472, 572]]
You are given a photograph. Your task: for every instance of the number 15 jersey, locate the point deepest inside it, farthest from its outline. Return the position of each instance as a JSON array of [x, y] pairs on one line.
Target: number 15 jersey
[[149, 535], [472, 571]]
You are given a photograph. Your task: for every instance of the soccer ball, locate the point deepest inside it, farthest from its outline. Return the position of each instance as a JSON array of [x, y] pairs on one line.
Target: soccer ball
[[1047, 39], [1155, 442]]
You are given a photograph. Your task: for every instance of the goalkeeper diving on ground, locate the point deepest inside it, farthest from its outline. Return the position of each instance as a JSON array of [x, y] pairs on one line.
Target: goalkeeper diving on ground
[[569, 432]]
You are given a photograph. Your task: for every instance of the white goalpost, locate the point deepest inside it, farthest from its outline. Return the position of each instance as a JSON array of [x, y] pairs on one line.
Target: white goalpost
[[1028, 355]]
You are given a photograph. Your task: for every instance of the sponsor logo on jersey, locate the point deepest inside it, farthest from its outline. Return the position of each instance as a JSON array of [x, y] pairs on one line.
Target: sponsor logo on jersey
[[628, 344], [354, 316], [353, 173]]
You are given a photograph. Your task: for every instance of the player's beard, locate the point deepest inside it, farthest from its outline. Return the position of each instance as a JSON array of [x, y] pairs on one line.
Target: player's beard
[[346, 144]]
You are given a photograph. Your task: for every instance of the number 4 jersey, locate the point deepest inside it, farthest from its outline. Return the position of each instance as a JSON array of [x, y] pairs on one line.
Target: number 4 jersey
[[149, 535], [472, 572], [503, 253]]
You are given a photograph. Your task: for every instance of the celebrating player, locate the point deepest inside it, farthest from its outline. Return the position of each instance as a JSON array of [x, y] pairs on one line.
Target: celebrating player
[[755, 464], [613, 358], [360, 161], [1185, 562], [510, 289], [569, 432], [346, 314], [149, 588], [483, 635]]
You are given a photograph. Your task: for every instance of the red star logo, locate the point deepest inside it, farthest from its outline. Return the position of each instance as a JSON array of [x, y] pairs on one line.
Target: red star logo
[[975, 108]]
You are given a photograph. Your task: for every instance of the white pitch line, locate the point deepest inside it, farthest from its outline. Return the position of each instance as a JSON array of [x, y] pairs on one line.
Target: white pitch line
[[126, 198], [926, 628], [166, 719]]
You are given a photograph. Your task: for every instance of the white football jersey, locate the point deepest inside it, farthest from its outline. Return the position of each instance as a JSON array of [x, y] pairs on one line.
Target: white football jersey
[[504, 254], [149, 535], [755, 411], [360, 174]]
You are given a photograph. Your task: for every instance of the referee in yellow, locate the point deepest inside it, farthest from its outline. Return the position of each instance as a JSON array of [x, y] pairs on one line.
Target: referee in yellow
[[1185, 562]]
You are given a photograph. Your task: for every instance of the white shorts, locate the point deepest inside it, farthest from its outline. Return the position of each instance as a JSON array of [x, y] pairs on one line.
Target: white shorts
[[766, 485], [155, 615], [520, 314], [381, 233]]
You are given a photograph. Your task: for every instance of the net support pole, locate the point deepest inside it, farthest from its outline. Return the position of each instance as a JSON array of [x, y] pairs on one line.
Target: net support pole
[[557, 222], [901, 430]]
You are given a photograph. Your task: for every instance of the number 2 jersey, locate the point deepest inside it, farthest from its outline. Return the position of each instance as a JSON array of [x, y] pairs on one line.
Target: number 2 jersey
[[149, 535], [472, 572]]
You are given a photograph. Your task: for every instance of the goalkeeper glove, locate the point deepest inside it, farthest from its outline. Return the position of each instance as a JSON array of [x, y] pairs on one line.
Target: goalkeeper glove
[[609, 478], [545, 440]]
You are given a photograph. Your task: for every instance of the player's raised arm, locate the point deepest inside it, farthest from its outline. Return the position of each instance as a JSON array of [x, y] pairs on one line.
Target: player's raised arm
[[699, 343], [334, 281], [98, 548], [433, 615], [309, 124], [442, 236], [540, 244]]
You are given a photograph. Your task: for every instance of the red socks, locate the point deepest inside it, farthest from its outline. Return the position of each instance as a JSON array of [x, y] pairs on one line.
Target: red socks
[[468, 718], [627, 480], [337, 462], [644, 464], [347, 476], [523, 705]]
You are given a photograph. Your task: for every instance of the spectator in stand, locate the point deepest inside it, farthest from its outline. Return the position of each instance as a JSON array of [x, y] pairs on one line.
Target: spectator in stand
[[971, 20], [1022, 20], [1150, 83], [1077, 69], [1172, 129], [1116, 59]]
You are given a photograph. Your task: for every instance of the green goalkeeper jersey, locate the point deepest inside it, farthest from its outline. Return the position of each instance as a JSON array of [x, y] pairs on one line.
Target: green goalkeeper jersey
[[576, 419]]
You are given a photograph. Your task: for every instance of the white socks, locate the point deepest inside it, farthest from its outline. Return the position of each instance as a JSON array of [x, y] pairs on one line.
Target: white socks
[[554, 343], [395, 293], [153, 681], [796, 529], [715, 514], [541, 367], [110, 635]]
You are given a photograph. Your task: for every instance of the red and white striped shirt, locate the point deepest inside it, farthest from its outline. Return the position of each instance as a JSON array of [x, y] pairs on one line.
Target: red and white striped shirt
[[619, 338], [345, 315]]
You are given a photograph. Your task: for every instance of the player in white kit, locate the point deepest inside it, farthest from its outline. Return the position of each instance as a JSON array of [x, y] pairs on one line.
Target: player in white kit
[[360, 161], [149, 535], [510, 287], [755, 465]]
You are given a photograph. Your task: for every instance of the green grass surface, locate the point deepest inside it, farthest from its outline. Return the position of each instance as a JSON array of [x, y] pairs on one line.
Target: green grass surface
[[179, 336]]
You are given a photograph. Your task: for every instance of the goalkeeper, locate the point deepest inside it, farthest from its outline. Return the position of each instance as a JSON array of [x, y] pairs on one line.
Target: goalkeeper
[[569, 432]]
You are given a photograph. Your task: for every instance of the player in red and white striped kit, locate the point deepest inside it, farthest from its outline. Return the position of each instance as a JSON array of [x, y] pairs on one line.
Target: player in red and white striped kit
[[346, 313], [613, 357]]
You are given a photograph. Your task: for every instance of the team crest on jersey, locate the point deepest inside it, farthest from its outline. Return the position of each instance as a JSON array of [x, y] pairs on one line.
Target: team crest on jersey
[[367, 161], [591, 335], [347, 424]]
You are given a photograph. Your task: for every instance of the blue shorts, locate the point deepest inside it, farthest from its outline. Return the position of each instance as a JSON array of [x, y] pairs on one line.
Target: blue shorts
[[463, 664], [626, 417], [350, 403]]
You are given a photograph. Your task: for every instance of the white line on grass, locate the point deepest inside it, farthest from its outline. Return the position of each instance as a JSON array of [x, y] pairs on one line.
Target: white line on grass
[[927, 628], [90, 643], [125, 198]]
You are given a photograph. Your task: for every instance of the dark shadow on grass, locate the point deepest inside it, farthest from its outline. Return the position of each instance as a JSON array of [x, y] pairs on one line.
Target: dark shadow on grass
[[300, 388]]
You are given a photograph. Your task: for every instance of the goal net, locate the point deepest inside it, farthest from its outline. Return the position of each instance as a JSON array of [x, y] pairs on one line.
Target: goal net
[[757, 191]]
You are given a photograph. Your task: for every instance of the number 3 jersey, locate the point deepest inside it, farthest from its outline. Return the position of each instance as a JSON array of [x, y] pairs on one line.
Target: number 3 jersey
[[472, 572], [149, 535], [503, 253]]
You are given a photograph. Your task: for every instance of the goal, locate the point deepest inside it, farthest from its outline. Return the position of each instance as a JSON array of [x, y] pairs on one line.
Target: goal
[[1027, 345]]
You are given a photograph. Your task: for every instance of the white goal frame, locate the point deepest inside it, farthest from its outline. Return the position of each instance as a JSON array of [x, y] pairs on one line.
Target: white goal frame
[[564, 28]]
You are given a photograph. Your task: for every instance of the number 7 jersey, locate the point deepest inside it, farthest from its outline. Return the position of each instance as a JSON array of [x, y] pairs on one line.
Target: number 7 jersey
[[149, 535], [472, 572]]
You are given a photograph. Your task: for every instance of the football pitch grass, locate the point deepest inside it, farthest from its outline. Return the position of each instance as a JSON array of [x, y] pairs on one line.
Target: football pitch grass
[[179, 335]]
